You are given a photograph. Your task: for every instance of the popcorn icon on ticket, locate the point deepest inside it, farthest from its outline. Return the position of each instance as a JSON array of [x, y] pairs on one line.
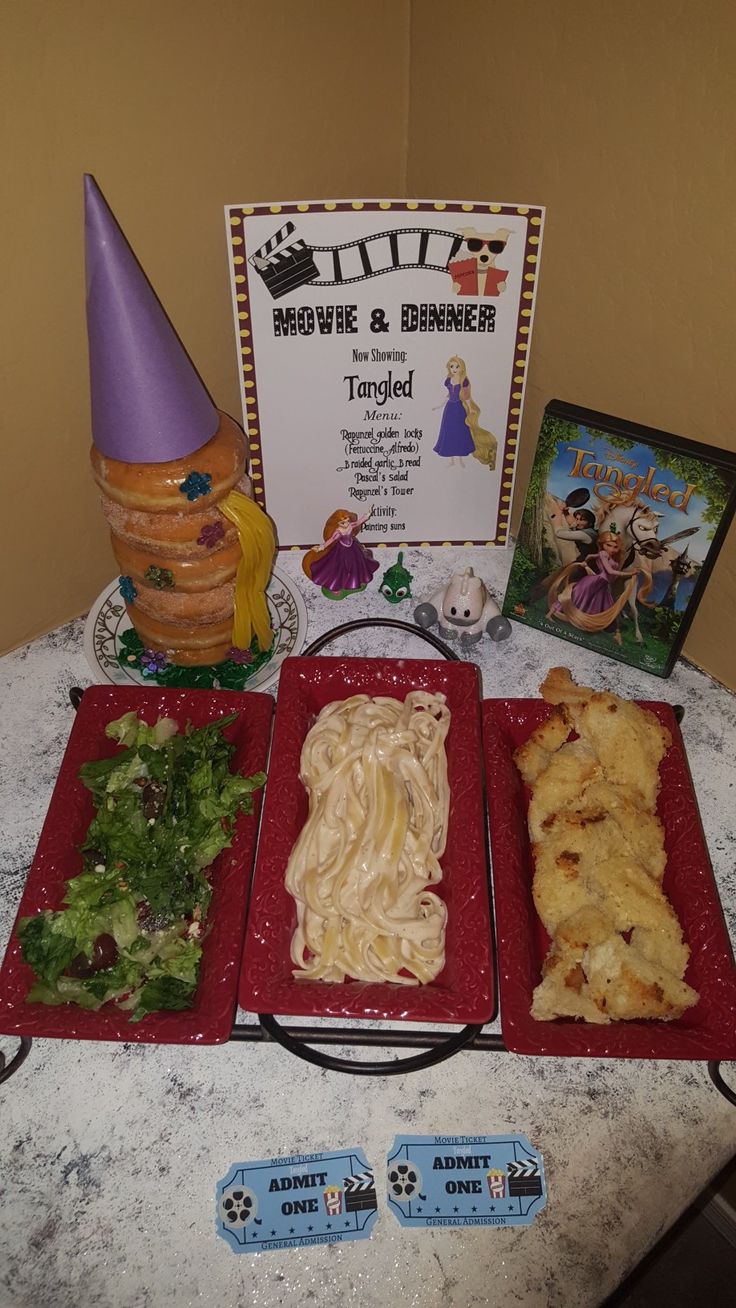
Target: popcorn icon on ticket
[[333, 1200]]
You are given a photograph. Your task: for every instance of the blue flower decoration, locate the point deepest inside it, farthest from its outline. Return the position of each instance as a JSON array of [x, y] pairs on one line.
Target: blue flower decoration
[[196, 484], [127, 589]]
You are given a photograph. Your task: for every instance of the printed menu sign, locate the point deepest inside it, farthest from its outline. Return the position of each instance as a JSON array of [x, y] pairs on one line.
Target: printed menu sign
[[383, 349]]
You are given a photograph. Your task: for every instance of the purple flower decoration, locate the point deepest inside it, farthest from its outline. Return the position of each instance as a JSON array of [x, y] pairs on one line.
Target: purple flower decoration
[[211, 535], [237, 655], [196, 484], [127, 589], [152, 662]]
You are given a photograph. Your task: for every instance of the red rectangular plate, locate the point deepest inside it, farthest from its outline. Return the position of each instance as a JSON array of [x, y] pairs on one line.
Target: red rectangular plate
[[464, 990], [57, 859], [706, 1031]]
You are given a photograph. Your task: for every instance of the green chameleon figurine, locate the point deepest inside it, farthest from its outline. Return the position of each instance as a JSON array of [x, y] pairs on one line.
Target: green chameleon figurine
[[396, 582]]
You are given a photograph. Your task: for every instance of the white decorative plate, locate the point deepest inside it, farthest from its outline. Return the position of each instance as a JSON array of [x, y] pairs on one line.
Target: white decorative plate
[[108, 621]]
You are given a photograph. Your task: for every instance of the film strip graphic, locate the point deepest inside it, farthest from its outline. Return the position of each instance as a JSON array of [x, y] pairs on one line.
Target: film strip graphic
[[241, 264], [286, 264]]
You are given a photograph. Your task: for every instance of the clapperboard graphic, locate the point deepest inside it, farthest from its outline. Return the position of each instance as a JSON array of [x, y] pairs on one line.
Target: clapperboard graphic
[[284, 269], [360, 1192], [524, 1178], [285, 263]]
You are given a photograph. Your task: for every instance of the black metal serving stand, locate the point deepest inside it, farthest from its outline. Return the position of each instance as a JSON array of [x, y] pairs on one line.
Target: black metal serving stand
[[436, 1047]]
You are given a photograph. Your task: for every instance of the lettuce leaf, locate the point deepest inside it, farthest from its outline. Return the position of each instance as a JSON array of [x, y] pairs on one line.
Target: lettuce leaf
[[67, 990], [47, 948], [166, 806], [130, 730], [161, 993]]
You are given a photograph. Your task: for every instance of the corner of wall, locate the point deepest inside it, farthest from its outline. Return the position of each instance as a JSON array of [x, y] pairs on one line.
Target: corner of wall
[[409, 32], [411, 18]]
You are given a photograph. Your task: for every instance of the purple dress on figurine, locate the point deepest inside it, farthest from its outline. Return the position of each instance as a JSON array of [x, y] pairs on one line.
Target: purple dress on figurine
[[454, 439], [346, 565]]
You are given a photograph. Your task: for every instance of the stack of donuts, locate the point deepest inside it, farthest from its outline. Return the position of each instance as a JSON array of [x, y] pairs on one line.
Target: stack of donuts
[[194, 551], [177, 551]]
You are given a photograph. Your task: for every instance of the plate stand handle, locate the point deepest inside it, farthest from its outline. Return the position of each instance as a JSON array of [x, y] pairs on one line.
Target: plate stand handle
[[355, 1067], [363, 623]]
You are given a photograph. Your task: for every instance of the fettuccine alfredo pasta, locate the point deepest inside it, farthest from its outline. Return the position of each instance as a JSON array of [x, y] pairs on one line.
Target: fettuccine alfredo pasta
[[362, 868]]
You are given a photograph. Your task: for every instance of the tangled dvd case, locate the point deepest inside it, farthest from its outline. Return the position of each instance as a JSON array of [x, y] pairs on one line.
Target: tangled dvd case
[[621, 527]]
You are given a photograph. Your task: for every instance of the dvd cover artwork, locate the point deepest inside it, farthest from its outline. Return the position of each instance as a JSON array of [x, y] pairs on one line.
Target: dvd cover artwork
[[620, 529]]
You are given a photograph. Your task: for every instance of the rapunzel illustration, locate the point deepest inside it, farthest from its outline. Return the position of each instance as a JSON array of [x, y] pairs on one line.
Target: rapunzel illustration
[[342, 565], [588, 602], [460, 430]]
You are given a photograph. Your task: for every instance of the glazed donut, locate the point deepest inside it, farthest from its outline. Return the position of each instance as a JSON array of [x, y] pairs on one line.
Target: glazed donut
[[203, 570], [157, 487], [193, 608], [187, 646], [172, 534]]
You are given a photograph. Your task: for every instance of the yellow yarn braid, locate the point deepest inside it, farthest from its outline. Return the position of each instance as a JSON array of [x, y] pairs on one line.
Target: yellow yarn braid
[[258, 546]]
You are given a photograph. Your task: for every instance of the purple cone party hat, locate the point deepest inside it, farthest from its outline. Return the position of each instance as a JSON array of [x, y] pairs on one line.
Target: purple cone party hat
[[148, 402]]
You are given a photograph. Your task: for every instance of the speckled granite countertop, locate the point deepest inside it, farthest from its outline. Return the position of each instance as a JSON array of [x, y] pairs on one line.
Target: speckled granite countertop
[[109, 1155]]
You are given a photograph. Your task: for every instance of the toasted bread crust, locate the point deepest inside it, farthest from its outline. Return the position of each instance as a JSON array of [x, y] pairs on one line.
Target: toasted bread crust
[[533, 757], [617, 950]]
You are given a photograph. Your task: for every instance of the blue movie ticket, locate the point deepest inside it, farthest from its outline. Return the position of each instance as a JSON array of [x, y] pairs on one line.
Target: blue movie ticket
[[305, 1199], [465, 1180]]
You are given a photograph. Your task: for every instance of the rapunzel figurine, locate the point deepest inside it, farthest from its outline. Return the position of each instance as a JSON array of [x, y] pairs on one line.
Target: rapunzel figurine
[[342, 565]]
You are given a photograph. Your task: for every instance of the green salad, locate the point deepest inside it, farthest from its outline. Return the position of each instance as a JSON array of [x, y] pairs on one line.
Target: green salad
[[133, 920]]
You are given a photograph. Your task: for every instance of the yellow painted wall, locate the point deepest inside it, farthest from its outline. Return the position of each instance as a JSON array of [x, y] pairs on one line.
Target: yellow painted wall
[[620, 117], [616, 114], [178, 107]]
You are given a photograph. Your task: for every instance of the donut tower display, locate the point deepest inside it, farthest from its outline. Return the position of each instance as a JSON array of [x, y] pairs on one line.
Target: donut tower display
[[194, 551]]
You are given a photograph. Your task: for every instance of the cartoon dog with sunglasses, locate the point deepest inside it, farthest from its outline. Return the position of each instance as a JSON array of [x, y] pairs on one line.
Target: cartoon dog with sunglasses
[[478, 274]]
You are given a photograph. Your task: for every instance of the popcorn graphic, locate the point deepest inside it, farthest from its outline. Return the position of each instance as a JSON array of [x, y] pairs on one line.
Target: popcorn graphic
[[333, 1200], [496, 1179]]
